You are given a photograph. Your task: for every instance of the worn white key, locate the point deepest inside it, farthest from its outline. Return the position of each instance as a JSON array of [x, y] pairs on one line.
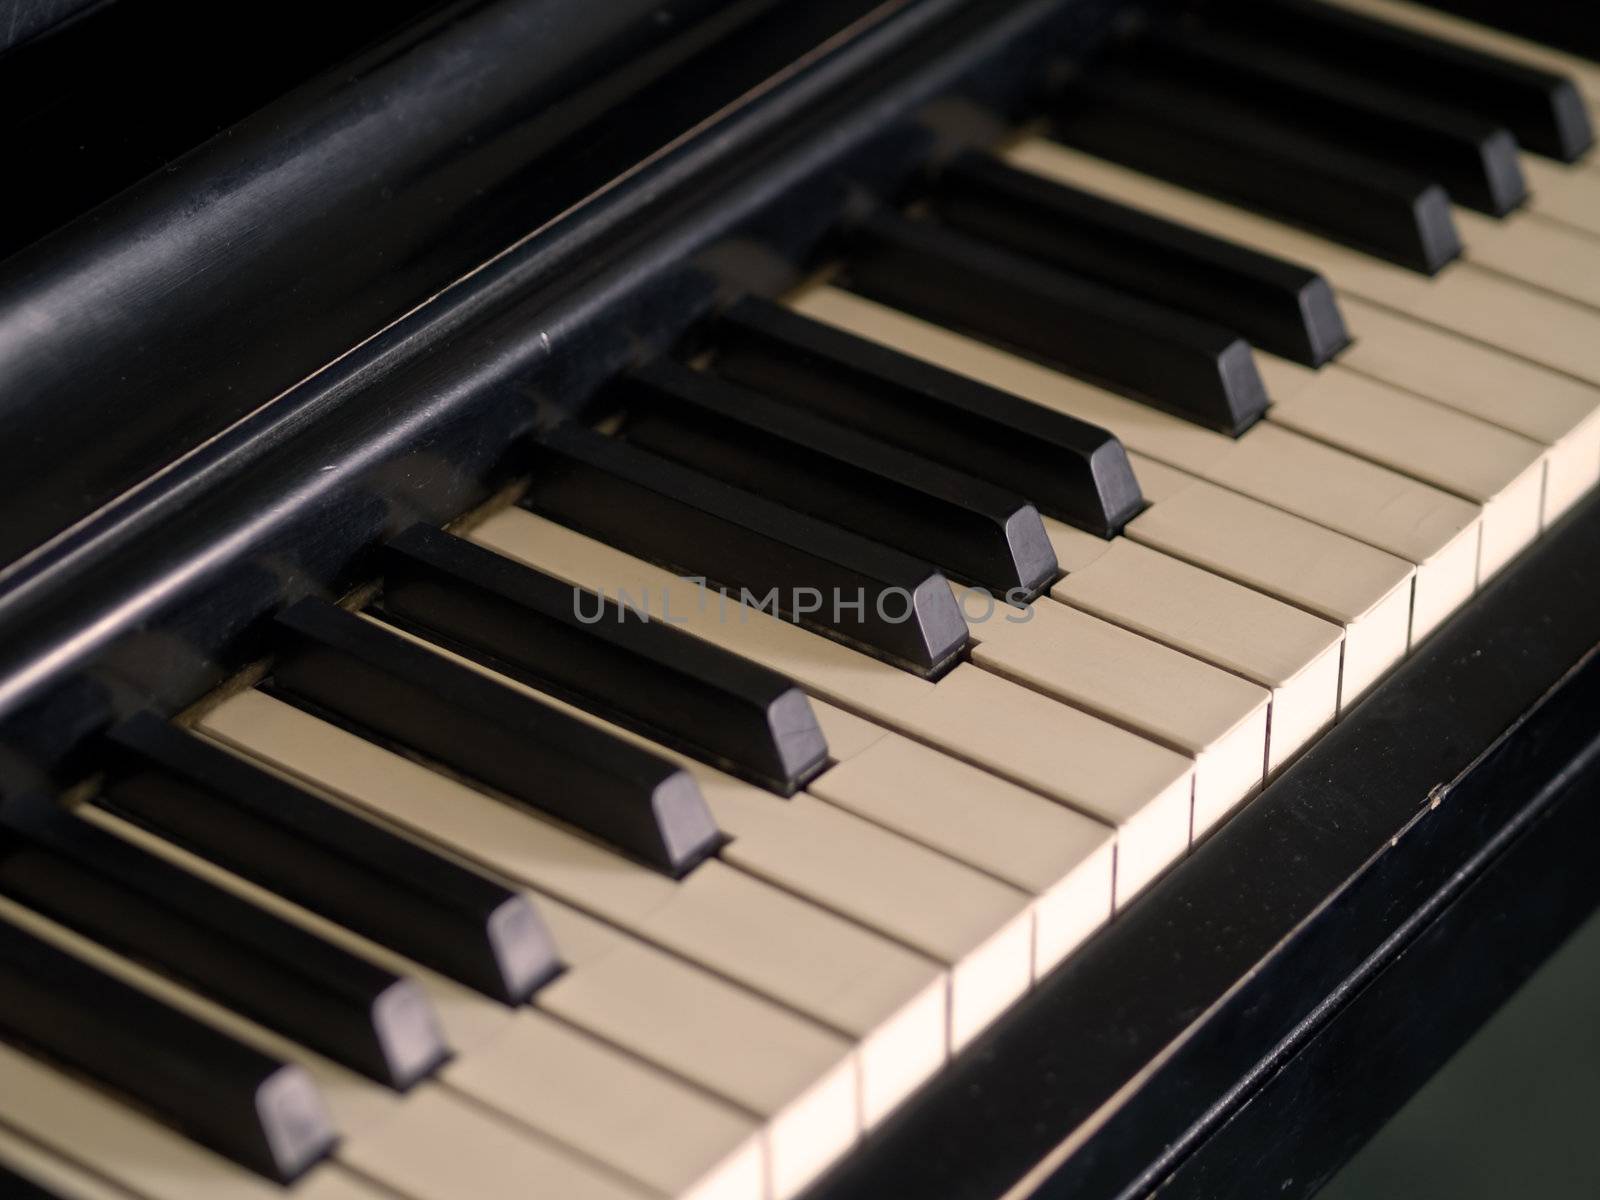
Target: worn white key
[[1536, 249], [1569, 194], [1358, 587], [799, 1079], [1555, 410], [1202, 711], [611, 1107], [59, 1176], [889, 999], [1436, 532], [982, 930], [411, 1141], [1481, 304], [1500, 471], [710, 1152], [1062, 858], [84, 1125], [1449, 28], [1092, 766], [1287, 651], [1142, 789]]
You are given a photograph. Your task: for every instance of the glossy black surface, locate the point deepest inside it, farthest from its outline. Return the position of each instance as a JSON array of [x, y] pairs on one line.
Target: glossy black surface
[[207, 291], [1565, 24], [252, 962], [603, 656], [1544, 111], [1248, 946], [355, 873], [1068, 469], [262, 1113], [874, 597], [1280, 306], [1239, 153], [19, 1187], [382, 685], [1194, 368], [1473, 158], [972, 530]]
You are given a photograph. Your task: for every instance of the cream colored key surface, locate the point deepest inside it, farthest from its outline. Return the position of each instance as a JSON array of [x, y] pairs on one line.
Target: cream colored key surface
[[1568, 194], [1536, 249], [430, 1122], [849, 678], [1481, 304], [56, 1175], [1555, 410], [982, 930], [1062, 858], [1362, 589], [84, 1125], [799, 1077], [1421, 524], [482, 1032], [1142, 789], [608, 1105], [1097, 768], [889, 999], [1498, 470], [1291, 653], [1450, 28], [1202, 711], [1437, 532]]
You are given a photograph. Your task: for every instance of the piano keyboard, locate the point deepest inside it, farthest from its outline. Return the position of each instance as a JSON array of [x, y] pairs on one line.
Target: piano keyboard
[[660, 828]]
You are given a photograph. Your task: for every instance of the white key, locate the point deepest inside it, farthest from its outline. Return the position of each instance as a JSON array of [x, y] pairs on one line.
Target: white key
[[1435, 531], [58, 1176], [890, 1000], [1568, 194], [411, 1141], [1450, 28], [982, 930], [615, 1110], [1144, 790], [1062, 858], [1555, 410], [1119, 781], [1208, 714], [1535, 248], [1362, 589], [800, 1079], [84, 1125], [482, 1032], [1467, 299], [798, 1076], [1289, 652]]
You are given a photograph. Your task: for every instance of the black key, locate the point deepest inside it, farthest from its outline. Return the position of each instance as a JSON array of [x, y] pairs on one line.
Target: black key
[[605, 657], [394, 690], [1190, 367], [829, 579], [1475, 160], [976, 532], [329, 860], [1568, 25], [264, 1114], [276, 973], [1069, 469], [1278, 305], [17, 1187], [1544, 111], [1219, 146]]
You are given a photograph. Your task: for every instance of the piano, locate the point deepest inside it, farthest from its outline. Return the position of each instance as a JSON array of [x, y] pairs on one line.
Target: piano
[[741, 601]]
